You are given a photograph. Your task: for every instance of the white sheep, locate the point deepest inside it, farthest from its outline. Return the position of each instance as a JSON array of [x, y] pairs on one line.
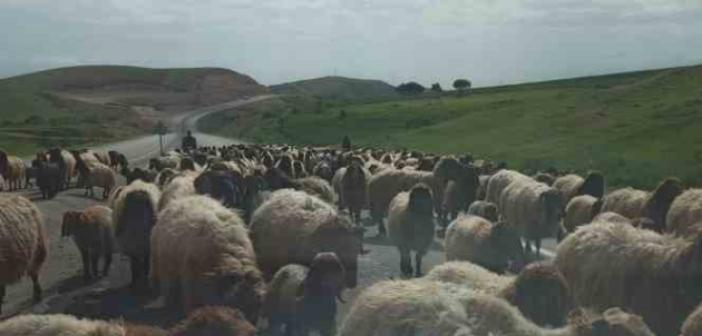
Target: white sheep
[[292, 227], [612, 263], [23, 243], [484, 209], [179, 187], [58, 325], [628, 202], [133, 218], [499, 182], [214, 262], [97, 175], [533, 209], [685, 214], [475, 239], [421, 307], [693, 323], [411, 226], [580, 211], [572, 185]]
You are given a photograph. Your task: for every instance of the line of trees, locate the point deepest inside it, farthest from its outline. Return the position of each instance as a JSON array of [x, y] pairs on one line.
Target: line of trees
[[461, 85]]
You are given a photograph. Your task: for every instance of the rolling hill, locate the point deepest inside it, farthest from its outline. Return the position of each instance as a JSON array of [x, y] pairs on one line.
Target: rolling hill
[[339, 89], [90, 104], [636, 127]]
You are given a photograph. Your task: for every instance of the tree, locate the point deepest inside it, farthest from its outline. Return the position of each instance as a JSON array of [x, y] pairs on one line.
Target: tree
[[436, 87], [461, 84], [411, 88]]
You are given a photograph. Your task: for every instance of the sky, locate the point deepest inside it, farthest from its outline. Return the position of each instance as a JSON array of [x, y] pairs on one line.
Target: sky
[[490, 42]]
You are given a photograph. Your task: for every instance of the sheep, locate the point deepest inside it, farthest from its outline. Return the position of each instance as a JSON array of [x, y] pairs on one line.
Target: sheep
[[572, 185], [580, 211], [336, 185], [539, 291], [96, 175], [225, 186], [58, 324], [420, 307], [685, 214], [93, 234], [179, 187], [214, 262], [475, 239], [611, 263], [12, 170], [292, 227], [461, 193], [133, 217], [383, 186], [304, 299], [658, 203], [214, 320], [118, 160], [353, 189], [104, 158], [169, 161], [164, 176], [276, 179], [323, 169], [23, 243], [411, 226], [66, 163], [299, 169], [483, 209], [627, 202], [138, 174], [49, 178], [533, 209], [545, 178], [482, 188], [693, 323], [500, 181]]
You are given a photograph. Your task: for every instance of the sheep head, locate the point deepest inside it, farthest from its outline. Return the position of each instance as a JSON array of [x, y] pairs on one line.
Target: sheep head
[[507, 241], [214, 320], [594, 185], [541, 292], [550, 209], [326, 277], [420, 200], [338, 235], [659, 201], [613, 321], [70, 219], [244, 290]]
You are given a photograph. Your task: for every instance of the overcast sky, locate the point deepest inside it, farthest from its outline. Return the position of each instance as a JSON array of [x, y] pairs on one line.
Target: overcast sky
[[489, 41]]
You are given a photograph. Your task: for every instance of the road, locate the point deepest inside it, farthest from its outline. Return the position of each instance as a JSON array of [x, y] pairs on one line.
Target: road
[[65, 291]]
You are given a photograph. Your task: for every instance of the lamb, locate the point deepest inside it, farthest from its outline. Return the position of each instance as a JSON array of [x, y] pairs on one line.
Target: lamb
[[292, 227], [411, 226], [23, 241], [214, 262], [693, 323], [628, 202], [353, 189], [99, 175], [214, 320], [580, 211], [420, 307], [572, 185], [179, 187], [133, 217], [12, 170], [49, 178], [685, 214], [383, 186], [475, 239], [499, 182], [539, 291], [93, 234], [461, 193], [304, 299], [533, 209], [483, 209], [611, 263]]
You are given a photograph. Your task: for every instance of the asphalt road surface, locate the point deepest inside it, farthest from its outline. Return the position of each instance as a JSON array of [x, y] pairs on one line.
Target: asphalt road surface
[[66, 292]]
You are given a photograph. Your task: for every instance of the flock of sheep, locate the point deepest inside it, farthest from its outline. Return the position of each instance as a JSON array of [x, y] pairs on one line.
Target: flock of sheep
[[274, 233]]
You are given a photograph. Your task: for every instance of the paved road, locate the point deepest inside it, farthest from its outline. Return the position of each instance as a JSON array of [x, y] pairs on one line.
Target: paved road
[[65, 291]]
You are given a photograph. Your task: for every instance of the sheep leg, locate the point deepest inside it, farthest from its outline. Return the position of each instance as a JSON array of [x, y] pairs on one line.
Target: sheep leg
[[134, 268], [405, 263], [85, 257], [94, 260], [2, 296], [381, 228], [537, 242], [418, 264], [36, 287], [108, 262]]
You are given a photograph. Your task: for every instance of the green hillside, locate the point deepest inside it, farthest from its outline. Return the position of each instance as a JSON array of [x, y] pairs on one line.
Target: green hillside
[[636, 127], [92, 104], [339, 89]]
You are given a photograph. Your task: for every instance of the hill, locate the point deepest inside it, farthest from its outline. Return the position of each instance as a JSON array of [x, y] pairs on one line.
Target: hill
[[339, 89], [636, 127], [89, 104]]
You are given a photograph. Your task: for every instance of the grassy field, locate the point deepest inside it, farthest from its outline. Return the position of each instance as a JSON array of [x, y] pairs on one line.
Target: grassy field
[[636, 127], [36, 112]]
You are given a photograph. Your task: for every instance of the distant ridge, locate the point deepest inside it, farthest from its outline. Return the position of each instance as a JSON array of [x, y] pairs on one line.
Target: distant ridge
[[339, 88]]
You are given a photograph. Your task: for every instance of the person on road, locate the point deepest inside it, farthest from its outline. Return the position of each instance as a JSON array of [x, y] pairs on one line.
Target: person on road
[[189, 142]]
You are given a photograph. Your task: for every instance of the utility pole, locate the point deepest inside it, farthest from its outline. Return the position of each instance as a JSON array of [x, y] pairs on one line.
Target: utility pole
[[161, 130]]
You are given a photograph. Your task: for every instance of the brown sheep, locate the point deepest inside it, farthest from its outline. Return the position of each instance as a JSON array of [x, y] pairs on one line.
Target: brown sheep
[[23, 243], [304, 299], [93, 234], [353, 190], [214, 321], [628, 202], [460, 194], [411, 226], [12, 170]]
